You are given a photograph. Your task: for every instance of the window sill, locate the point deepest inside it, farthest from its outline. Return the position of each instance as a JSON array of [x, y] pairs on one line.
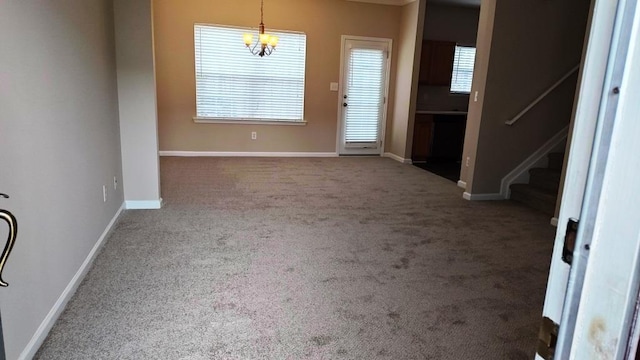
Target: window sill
[[205, 120]]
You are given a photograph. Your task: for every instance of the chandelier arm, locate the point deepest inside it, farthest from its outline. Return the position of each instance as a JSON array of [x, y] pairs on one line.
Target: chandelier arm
[[259, 48], [253, 49]]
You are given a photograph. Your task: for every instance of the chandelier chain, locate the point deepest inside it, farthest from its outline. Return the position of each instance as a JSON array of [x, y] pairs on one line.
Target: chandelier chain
[[266, 43]]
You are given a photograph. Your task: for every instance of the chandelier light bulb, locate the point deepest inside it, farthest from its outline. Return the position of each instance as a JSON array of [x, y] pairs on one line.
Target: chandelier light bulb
[[266, 43], [273, 41], [248, 39]]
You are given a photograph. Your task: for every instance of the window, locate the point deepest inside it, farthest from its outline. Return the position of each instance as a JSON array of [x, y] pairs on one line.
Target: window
[[463, 62], [232, 84]]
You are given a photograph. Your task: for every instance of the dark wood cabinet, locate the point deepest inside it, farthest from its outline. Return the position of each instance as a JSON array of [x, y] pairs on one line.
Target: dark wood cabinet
[[422, 137], [448, 137], [436, 62], [438, 137]]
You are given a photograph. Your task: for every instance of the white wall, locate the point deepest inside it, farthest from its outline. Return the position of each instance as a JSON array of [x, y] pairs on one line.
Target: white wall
[[137, 99], [59, 144]]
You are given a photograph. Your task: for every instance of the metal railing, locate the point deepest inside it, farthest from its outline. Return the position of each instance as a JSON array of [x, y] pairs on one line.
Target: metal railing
[[542, 96]]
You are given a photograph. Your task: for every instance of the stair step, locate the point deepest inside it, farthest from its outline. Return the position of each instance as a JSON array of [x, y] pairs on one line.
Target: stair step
[[555, 161], [534, 197], [548, 179]]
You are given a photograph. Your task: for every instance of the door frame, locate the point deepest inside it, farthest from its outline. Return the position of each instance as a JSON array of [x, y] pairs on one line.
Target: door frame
[[591, 80], [601, 72], [602, 324], [383, 125]]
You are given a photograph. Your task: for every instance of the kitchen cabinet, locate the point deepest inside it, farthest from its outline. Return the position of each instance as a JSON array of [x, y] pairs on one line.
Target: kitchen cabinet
[[438, 137], [436, 62], [448, 137], [422, 137]]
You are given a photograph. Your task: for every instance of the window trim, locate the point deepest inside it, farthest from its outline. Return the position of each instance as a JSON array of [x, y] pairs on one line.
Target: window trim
[[244, 121], [247, 121]]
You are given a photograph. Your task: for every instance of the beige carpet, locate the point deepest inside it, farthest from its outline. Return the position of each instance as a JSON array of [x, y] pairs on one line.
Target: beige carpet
[[343, 258]]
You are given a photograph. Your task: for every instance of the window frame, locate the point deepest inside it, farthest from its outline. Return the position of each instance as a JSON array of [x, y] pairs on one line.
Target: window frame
[[244, 120]]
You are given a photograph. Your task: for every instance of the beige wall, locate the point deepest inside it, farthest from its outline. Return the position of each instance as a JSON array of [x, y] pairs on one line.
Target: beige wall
[[408, 49], [59, 145], [323, 21], [137, 102], [533, 45], [474, 117]]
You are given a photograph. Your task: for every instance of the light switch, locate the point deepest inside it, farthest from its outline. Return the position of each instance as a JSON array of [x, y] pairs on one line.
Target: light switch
[[333, 86]]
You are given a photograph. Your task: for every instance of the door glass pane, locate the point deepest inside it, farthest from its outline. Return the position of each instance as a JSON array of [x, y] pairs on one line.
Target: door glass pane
[[365, 96]]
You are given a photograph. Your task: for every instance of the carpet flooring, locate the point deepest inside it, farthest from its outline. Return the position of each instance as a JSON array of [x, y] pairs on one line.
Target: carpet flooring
[[340, 258], [447, 169]]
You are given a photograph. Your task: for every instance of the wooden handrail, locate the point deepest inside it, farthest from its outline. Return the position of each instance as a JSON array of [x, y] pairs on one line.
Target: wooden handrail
[[539, 98]]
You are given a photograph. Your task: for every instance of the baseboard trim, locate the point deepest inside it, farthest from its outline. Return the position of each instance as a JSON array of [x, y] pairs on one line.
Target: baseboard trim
[[246, 154], [529, 162], [43, 330], [397, 158], [462, 184], [143, 204], [482, 197], [554, 221]]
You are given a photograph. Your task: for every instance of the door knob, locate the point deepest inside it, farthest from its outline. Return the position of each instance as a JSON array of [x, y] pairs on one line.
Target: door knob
[[11, 238]]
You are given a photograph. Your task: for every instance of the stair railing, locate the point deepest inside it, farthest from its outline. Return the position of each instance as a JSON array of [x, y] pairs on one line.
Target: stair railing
[[542, 96]]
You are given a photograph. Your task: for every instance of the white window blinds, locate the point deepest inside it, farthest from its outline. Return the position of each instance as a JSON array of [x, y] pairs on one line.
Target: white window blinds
[[233, 84], [463, 62], [364, 95]]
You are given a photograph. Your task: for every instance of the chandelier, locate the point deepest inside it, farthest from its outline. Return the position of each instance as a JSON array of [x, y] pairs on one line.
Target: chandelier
[[266, 43]]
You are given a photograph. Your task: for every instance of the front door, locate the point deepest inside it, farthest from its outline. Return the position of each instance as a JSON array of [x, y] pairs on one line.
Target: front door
[[363, 97]]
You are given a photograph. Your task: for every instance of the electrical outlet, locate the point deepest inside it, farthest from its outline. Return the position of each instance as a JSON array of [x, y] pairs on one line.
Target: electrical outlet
[[475, 97], [254, 135], [104, 193], [115, 183], [468, 158]]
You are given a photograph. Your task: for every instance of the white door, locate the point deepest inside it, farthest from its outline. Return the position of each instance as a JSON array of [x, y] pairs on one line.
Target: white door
[[365, 78], [600, 77]]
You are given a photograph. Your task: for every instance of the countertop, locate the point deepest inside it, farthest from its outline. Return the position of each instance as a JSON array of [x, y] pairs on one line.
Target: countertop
[[441, 112]]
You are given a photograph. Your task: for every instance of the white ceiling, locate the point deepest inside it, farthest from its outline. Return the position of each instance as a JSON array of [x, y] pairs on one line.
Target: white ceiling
[[474, 3]]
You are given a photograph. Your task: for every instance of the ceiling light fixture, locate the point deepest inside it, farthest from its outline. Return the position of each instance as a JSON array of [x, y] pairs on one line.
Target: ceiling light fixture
[[266, 43]]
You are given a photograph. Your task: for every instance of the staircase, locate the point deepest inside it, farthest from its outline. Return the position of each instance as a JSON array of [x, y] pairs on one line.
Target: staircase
[[542, 190]]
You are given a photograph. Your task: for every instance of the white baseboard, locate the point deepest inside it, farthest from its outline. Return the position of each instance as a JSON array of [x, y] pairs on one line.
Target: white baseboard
[[245, 154], [530, 162], [143, 204], [482, 197], [43, 330], [554, 221], [397, 158], [462, 184]]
